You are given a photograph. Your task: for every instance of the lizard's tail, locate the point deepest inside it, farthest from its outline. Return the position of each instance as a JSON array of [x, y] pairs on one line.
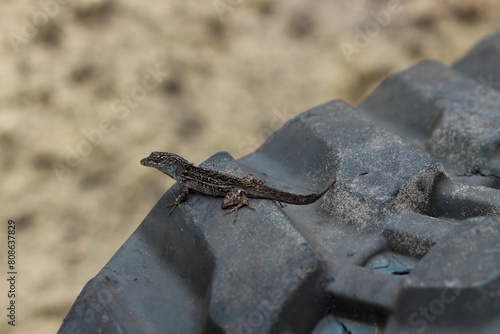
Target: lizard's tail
[[285, 197]]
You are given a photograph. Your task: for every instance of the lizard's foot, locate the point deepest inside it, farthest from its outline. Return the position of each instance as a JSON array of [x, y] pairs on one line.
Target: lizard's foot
[[182, 197], [235, 200], [174, 206]]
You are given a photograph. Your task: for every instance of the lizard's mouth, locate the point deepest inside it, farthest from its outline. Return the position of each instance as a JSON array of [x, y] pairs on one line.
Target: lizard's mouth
[[152, 161], [149, 163], [145, 162]]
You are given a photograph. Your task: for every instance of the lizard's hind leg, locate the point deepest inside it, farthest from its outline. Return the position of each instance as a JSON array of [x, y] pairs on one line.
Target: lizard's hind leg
[[235, 200]]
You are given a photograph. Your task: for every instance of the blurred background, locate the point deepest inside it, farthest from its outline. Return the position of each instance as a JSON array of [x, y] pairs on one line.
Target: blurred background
[[88, 88]]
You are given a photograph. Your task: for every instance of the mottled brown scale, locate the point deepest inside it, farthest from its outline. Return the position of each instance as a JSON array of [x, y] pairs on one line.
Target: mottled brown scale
[[210, 182]]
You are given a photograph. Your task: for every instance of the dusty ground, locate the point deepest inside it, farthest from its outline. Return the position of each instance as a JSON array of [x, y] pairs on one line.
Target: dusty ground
[[79, 107]]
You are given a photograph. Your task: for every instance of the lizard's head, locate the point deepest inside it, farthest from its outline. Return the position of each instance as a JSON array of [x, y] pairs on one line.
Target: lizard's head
[[168, 163]]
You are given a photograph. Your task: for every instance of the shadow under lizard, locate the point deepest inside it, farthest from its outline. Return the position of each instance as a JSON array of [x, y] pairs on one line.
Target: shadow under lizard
[[235, 190]]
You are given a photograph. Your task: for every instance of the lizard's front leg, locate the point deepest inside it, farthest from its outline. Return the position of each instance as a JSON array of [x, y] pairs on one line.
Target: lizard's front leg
[[182, 197], [234, 200]]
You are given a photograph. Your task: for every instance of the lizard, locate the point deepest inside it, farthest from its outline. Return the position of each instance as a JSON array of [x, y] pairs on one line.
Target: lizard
[[235, 190]]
